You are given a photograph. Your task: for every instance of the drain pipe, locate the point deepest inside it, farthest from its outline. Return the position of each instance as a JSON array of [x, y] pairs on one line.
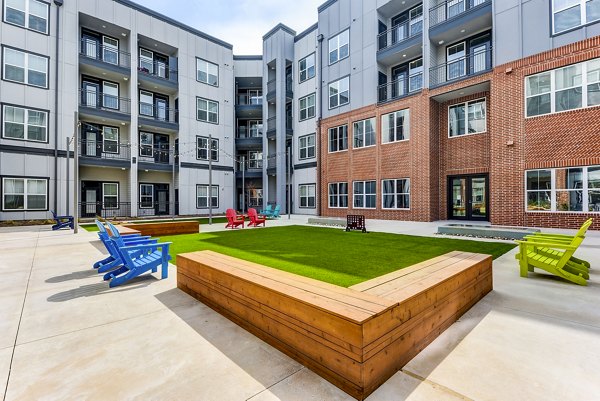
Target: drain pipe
[[320, 38], [58, 4]]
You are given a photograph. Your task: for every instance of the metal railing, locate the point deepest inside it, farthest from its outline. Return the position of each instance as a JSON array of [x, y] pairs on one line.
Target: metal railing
[[104, 149], [256, 164], [101, 101], [400, 87], [246, 100], [158, 69], [399, 33], [107, 54], [244, 132], [157, 208], [106, 210], [272, 124], [448, 9], [272, 85], [158, 113], [272, 161], [289, 122], [474, 63], [153, 154], [289, 83]]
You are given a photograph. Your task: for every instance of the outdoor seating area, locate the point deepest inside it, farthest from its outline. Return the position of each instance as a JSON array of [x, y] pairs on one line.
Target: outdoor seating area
[[252, 218]]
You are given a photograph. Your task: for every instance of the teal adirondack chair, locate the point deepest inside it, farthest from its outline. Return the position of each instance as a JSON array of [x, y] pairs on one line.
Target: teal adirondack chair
[[276, 211], [268, 211]]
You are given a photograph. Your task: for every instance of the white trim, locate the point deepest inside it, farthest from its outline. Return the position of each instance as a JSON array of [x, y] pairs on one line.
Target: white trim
[[396, 193], [27, 12], [337, 184], [329, 139], [337, 45], [407, 134], [25, 67], [466, 104], [25, 124], [314, 186], [24, 194], [151, 196], [110, 196], [364, 194]]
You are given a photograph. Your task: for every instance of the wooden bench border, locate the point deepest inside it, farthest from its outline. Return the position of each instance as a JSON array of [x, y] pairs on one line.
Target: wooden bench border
[[165, 228]]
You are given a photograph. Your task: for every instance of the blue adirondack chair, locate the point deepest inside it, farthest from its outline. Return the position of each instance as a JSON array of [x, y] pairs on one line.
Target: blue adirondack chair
[[62, 221], [268, 211], [276, 211], [114, 259], [147, 257]]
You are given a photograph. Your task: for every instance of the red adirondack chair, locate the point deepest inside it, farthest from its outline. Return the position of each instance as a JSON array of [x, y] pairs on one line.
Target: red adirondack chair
[[255, 218], [234, 219]]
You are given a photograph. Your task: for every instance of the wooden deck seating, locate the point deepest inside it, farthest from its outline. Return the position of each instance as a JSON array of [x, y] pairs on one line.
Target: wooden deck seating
[[165, 228], [354, 337]]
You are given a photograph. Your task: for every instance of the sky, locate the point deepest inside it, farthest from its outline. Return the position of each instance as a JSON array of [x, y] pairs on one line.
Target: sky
[[239, 22]]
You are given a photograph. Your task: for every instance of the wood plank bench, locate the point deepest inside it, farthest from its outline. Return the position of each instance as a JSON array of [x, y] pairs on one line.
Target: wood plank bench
[[357, 337], [166, 228], [123, 230]]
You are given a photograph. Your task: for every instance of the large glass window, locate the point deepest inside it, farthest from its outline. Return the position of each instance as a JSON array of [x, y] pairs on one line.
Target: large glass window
[[110, 140], [202, 148], [306, 147], [255, 160], [339, 92], [593, 189], [307, 107], [25, 68], [568, 91], [395, 126], [24, 194], [338, 195], [26, 124], [339, 47], [207, 72], [30, 14], [338, 138], [365, 195], [467, 118], [207, 110], [539, 190], [307, 67], [568, 14], [146, 144], [364, 133], [593, 82], [202, 197], [110, 195], [307, 194], [396, 194]]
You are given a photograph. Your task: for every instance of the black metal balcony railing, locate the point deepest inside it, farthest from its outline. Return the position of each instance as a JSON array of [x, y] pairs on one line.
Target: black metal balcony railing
[[104, 149], [272, 85], [400, 87], [158, 113], [102, 101], [398, 34], [472, 64], [289, 122], [107, 54], [254, 164], [246, 100], [272, 124], [158, 69], [253, 132], [157, 208], [448, 9], [272, 161], [289, 83], [107, 210], [155, 154]]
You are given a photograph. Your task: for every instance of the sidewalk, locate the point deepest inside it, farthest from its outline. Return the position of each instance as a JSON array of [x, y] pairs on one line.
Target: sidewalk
[[65, 335]]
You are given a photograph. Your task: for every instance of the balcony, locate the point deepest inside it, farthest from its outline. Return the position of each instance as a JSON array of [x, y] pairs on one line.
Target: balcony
[[401, 42], [272, 127], [99, 58], [158, 76], [249, 139], [157, 208], [104, 153], [161, 117], [254, 169], [155, 158], [248, 106], [106, 210], [105, 106], [449, 19], [400, 88], [476, 63], [271, 90], [272, 165]]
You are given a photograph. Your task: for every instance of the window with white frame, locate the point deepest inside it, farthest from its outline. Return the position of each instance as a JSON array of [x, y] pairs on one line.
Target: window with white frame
[[365, 194], [571, 189], [25, 124], [25, 68], [307, 107], [146, 144], [567, 88], [338, 138], [307, 147], [207, 110], [255, 159], [364, 133], [20, 194], [339, 47], [202, 196], [146, 196], [110, 195], [110, 140], [339, 92], [395, 126], [467, 118], [338, 195], [207, 72], [569, 14], [395, 193], [203, 150], [307, 194], [307, 67], [30, 14]]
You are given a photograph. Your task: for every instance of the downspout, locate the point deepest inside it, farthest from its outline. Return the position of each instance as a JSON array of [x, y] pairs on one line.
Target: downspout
[[58, 4], [319, 118]]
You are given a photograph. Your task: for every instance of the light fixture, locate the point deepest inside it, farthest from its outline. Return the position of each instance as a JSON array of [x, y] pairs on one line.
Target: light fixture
[[461, 93], [125, 78], [462, 31], [441, 42], [123, 168], [123, 34], [404, 55], [104, 26], [145, 171], [122, 123]]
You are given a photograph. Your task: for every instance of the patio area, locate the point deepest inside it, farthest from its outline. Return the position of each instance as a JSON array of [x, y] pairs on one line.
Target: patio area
[[65, 335]]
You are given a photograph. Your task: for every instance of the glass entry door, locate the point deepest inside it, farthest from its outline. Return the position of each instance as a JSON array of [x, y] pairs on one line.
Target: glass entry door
[[468, 197]]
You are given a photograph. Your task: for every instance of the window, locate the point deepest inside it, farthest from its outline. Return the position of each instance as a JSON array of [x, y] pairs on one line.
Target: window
[[207, 110], [572, 189], [467, 118], [338, 195], [306, 146], [146, 196], [24, 194], [307, 67], [202, 149], [110, 95], [339, 47], [110, 195], [396, 194], [339, 92], [307, 193], [307, 107], [110, 140], [365, 194], [202, 196], [146, 144], [25, 68], [146, 103], [255, 160], [146, 61], [26, 124], [110, 50], [207, 72], [568, 14], [30, 14], [572, 87], [338, 138], [364, 133], [395, 126]]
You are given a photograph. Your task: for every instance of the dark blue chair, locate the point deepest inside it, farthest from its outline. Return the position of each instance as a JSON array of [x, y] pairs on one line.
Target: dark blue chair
[[62, 221]]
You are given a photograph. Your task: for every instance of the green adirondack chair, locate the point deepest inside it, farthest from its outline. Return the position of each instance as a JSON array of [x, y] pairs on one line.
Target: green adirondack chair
[[529, 258]]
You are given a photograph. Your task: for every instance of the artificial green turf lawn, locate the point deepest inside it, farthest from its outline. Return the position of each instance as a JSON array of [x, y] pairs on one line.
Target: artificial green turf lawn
[[328, 254], [94, 228]]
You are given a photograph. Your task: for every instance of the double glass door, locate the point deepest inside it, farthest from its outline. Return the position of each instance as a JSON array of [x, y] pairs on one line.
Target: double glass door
[[468, 197]]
